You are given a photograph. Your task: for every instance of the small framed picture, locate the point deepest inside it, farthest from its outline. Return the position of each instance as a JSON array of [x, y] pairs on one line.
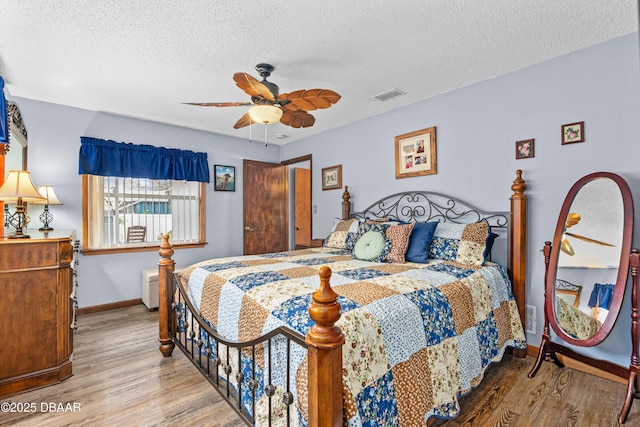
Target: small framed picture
[[416, 153], [524, 149], [573, 132], [225, 178], [332, 178]]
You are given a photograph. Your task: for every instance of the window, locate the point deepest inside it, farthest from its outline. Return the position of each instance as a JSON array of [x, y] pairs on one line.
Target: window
[[132, 195], [112, 205]]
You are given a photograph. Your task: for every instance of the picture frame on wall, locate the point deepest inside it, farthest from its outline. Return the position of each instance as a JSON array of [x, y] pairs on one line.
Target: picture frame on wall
[[225, 178], [572, 133], [332, 178], [525, 149], [416, 153]]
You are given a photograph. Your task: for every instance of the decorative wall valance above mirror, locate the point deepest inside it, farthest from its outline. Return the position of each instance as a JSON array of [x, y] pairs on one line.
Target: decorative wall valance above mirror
[[586, 269]]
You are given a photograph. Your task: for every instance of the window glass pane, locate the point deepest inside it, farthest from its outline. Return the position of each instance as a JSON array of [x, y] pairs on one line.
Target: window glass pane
[[137, 211]]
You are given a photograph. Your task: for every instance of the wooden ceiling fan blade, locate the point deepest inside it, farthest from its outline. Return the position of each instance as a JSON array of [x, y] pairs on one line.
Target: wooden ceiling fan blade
[[297, 119], [252, 86], [243, 121], [587, 239], [572, 219], [313, 99], [567, 248], [219, 104]]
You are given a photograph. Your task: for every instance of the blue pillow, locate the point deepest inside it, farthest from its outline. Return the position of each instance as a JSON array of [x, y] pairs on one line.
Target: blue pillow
[[419, 241], [487, 251]]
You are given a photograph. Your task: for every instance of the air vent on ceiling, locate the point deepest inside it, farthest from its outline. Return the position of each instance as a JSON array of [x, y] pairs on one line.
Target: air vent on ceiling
[[385, 96]]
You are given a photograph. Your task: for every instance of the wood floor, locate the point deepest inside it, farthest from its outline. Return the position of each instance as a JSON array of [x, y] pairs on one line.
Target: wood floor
[[120, 378]]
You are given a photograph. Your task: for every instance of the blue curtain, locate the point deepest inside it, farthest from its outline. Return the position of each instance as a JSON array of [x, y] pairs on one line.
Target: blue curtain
[[4, 119], [110, 158], [601, 295]]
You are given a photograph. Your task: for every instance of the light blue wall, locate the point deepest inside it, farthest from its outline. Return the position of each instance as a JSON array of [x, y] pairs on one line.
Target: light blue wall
[[54, 142], [477, 127]]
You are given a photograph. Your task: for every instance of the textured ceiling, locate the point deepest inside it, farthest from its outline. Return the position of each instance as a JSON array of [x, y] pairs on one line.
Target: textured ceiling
[[145, 58]]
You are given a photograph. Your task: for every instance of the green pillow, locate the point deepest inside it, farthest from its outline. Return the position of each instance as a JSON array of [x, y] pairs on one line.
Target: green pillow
[[372, 245]]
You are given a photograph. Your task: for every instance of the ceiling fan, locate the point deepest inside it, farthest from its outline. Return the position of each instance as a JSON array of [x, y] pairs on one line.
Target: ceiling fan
[[573, 219], [269, 106]]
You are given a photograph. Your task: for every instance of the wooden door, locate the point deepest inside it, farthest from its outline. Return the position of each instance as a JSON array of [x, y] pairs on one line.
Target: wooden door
[[265, 189], [302, 203]]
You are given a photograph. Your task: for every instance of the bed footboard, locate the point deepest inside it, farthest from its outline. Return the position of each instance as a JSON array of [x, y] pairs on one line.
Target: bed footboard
[[234, 368], [246, 374]]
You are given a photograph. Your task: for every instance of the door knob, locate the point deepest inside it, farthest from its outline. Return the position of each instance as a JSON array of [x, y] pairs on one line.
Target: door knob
[[247, 228], [297, 228]]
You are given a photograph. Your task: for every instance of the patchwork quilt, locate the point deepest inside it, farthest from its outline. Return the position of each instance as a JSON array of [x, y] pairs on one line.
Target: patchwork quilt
[[417, 336]]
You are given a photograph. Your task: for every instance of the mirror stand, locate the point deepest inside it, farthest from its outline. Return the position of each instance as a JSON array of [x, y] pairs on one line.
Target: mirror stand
[[633, 386], [549, 350]]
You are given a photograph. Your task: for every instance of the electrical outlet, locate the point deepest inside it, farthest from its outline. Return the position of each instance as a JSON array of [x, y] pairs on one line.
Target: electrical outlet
[[531, 319]]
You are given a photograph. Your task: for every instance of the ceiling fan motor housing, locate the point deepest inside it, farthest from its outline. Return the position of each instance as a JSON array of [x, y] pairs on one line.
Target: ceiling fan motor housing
[[265, 71]]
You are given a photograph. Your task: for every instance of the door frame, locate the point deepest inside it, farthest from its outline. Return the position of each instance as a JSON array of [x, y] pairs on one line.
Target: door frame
[[289, 162]]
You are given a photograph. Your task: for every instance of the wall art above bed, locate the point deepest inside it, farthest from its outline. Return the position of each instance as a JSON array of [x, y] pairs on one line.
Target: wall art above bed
[[573, 132], [525, 149], [416, 153]]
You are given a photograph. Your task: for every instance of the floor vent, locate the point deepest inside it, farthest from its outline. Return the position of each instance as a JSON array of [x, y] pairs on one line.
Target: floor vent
[[530, 319]]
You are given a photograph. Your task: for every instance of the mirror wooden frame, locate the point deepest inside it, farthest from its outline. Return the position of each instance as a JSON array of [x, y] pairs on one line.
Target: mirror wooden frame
[[548, 348], [623, 266]]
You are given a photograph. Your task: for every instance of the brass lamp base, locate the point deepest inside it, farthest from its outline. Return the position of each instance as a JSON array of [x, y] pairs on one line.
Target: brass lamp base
[[18, 236], [19, 221]]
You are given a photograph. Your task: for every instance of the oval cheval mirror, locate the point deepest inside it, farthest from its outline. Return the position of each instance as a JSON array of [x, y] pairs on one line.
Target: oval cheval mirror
[[587, 267], [590, 251]]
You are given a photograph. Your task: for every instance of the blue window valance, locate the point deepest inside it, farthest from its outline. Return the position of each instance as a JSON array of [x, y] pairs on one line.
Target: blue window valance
[[601, 295], [4, 119], [110, 158]]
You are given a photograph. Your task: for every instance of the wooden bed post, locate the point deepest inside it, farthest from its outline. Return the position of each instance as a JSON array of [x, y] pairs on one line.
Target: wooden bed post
[[165, 266], [518, 246], [346, 203], [324, 342]]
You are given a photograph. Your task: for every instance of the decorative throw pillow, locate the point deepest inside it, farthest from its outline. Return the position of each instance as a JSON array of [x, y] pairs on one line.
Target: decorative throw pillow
[[340, 232], [352, 238], [463, 243], [399, 235], [420, 241], [371, 245]]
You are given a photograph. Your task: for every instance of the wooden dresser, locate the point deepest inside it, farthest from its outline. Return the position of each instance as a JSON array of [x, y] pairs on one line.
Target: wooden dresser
[[36, 306]]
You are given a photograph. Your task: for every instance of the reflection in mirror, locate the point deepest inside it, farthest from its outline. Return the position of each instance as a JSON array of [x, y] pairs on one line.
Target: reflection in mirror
[[589, 256], [16, 158], [16, 154]]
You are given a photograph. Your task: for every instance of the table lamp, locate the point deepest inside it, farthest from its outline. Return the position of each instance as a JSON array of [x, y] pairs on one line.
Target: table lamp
[[18, 188], [50, 198]]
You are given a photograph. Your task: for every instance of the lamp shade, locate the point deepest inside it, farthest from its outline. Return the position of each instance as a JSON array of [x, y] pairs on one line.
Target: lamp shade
[[18, 185], [266, 114], [49, 195]]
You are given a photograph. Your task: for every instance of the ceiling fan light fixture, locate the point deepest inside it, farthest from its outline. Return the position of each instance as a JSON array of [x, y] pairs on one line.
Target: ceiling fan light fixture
[[266, 114]]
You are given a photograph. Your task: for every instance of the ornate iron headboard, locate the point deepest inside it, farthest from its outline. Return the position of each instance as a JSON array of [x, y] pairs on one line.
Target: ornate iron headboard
[[413, 206]]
